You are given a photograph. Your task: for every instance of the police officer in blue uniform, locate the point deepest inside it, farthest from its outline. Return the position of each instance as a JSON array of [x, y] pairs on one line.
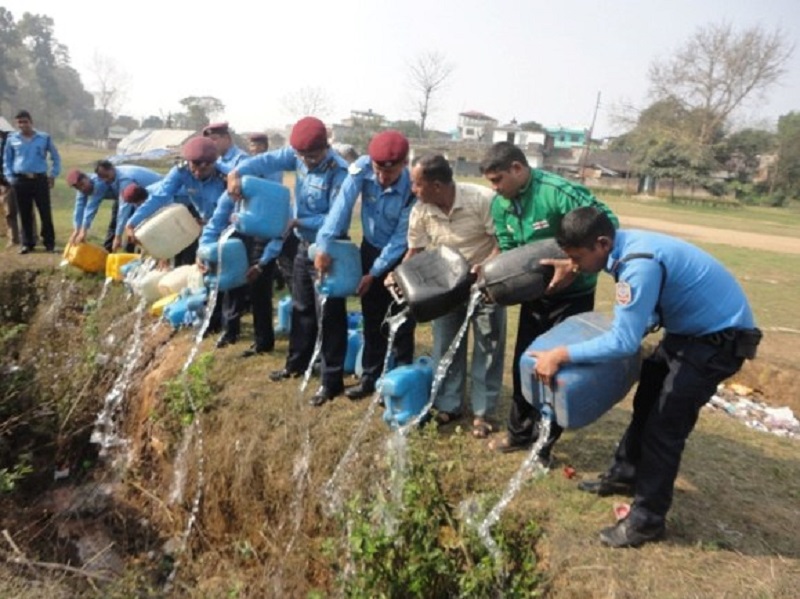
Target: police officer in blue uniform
[[709, 331], [196, 182], [383, 181], [25, 168], [108, 181], [230, 155], [319, 174], [90, 190]]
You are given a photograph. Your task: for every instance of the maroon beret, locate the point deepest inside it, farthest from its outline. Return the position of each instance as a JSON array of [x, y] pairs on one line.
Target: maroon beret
[[309, 134], [388, 147], [259, 138], [73, 176], [134, 193], [200, 149], [220, 128]]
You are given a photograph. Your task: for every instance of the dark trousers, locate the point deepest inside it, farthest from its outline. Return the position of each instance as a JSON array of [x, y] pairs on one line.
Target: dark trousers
[[303, 333], [676, 381], [108, 242], [36, 192], [374, 304], [258, 295], [536, 318], [285, 260]]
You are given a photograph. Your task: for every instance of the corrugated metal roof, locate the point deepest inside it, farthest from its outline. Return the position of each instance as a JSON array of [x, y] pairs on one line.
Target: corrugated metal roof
[[5, 125]]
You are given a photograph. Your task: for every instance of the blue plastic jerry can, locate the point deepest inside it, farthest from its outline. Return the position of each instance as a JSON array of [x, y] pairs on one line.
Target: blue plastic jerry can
[[344, 275], [583, 391], [284, 315], [176, 312], [406, 391], [266, 211], [355, 321], [232, 272]]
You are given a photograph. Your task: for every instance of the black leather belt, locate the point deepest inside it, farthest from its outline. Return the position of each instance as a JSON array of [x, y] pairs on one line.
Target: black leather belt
[[31, 175]]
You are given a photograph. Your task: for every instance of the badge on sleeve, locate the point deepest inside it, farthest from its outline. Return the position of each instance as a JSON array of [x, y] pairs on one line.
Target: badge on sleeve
[[623, 293], [353, 169]]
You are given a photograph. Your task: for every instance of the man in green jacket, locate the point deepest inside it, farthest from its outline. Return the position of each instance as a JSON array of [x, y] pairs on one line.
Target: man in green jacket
[[529, 206]]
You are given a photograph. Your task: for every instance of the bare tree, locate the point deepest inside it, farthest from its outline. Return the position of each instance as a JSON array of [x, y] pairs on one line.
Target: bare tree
[[719, 68], [307, 101], [110, 85], [427, 75]]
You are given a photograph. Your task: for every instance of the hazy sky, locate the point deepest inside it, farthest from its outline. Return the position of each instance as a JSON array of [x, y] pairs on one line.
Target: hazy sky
[[523, 59]]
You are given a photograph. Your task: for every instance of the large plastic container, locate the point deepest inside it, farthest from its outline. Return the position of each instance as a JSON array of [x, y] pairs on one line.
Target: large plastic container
[[284, 315], [406, 391], [344, 275], [148, 285], [355, 339], [168, 231], [176, 279], [157, 309], [516, 276], [88, 257], [114, 264], [232, 272], [355, 320], [434, 282], [266, 211], [185, 309], [128, 267], [583, 392]]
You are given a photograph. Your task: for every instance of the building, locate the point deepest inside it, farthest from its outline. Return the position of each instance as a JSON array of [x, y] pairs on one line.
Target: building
[[475, 126], [516, 135], [567, 138]]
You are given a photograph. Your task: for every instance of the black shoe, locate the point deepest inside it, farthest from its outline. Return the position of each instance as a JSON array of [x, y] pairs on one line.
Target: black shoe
[[323, 395], [284, 373], [254, 351], [225, 340], [363, 389], [605, 486], [50, 250], [624, 534], [25, 249]]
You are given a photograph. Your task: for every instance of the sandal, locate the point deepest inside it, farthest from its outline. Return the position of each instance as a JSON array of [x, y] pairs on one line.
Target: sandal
[[503, 445], [481, 428]]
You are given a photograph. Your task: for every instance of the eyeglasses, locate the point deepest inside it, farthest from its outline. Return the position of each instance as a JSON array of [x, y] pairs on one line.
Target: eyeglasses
[[199, 163]]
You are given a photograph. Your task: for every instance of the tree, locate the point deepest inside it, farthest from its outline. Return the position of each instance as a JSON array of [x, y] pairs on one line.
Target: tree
[[110, 86], [533, 126], [740, 151], [307, 101], [427, 76], [10, 45], [199, 112], [153, 122], [717, 70], [787, 170]]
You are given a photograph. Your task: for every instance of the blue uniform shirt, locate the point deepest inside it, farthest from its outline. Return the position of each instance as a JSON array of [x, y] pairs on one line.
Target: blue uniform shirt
[[384, 214], [699, 295], [84, 203], [180, 185], [231, 159], [29, 155], [314, 190], [126, 175]]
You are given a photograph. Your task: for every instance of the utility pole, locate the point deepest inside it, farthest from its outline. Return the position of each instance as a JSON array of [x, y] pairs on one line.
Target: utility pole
[[585, 153]]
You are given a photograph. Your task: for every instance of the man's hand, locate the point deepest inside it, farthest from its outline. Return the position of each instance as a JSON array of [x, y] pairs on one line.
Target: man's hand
[[81, 236], [565, 273], [548, 362], [322, 262], [202, 266], [234, 184], [116, 244], [51, 181], [73, 238], [131, 234], [253, 273], [364, 285]]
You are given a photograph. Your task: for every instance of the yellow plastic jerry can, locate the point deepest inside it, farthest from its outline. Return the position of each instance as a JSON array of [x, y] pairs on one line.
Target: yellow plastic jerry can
[[158, 307], [115, 262], [86, 256]]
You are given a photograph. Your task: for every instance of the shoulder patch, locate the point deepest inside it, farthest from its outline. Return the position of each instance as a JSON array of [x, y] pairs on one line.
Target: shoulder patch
[[623, 295], [354, 169]]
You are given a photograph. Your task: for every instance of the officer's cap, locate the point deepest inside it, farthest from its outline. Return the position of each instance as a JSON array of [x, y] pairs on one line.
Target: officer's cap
[[200, 149], [388, 148], [309, 134], [73, 176], [218, 128]]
